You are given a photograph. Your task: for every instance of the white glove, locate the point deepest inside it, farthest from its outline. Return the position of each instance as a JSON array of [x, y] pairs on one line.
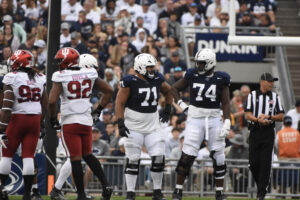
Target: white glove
[[3, 140], [183, 106], [225, 129]]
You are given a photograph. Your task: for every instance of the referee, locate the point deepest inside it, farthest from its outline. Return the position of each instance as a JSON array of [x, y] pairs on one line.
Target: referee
[[263, 108]]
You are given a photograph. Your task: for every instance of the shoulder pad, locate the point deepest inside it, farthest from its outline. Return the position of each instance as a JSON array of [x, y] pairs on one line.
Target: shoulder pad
[[9, 78], [126, 81], [189, 73], [58, 76], [226, 77], [159, 77]]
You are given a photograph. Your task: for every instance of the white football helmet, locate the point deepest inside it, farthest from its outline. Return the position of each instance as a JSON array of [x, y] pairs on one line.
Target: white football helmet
[[88, 61], [209, 57], [142, 61]]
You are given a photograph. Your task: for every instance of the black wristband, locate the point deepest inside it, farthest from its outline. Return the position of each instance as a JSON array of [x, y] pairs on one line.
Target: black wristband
[[99, 108], [120, 122]]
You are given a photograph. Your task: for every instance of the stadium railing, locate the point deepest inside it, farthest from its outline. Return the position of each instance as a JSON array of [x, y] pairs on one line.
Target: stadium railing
[[284, 181]]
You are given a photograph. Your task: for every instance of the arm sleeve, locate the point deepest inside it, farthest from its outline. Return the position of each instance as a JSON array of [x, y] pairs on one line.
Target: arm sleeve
[[278, 106], [9, 79], [249, 106], [125, 82]]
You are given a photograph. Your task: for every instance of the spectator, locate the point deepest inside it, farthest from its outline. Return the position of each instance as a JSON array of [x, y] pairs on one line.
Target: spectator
[[124, 19], [167, 10], [210, 12], [174, 27], [92, 43], [31, 10], [172, 124], [259, 7], [151, 48], [182, 7], [189, 17], [174, 45], [99, 148], [42, 33], [120, 151], [127, 59], [176, 75], [7, 52], [265, 21], [288, 145], [246, 20], [109, 12], [140, 40], [76, 43], [90, 13], [157, 7], [139, 25], [103, 47], [116, 39], [172, 142], [96, 8], [42, 6], [111, 78], [84, 26], [6, 8], [237, 110], [2, 45], [28, 45], [115, 57], [176, 152], [295, 114], [131, 47], [202, 7], [9, 37], [101, 124], [40, 46], [134, 9], [150, 18], [220, 22], [109, 30], [25, 22], [65, 36], [243, 9], [208, 169], [161, 36], [172, 62], [17, 29], [239, 176], [70, 11], [226, 5]]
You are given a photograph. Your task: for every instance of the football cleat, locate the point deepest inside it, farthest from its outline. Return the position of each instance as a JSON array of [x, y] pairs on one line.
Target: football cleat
[[106, 194], [56, 194], [177, 194], [130, 196], [220, 195], [36, 194], [3, 194], [157, 195]]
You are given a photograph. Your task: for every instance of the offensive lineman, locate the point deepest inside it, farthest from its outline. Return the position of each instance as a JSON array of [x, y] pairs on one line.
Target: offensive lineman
[[209, 91], [24, 106], [74, 86], [138, 119]]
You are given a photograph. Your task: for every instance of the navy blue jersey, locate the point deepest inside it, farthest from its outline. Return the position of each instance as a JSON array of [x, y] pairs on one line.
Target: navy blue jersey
[[206, 92], [144, 94]]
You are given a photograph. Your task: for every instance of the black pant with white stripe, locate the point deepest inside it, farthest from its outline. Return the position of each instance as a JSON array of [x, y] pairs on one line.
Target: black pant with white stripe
[[261, 142]]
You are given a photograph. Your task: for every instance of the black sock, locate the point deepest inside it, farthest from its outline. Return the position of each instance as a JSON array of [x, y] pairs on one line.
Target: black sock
[[3, 178], [28, 179], [78, 177], [95, 166]]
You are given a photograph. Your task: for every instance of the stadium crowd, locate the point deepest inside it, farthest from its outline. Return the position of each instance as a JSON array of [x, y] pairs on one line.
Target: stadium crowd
[[114, 32]]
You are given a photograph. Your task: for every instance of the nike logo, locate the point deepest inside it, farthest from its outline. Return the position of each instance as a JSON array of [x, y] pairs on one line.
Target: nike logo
[[219, 78], [156, 77]]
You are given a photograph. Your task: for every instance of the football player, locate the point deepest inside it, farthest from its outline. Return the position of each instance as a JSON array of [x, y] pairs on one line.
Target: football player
[[209, 92], [138, 119], [24, 106], [85, 61], [74, 86]]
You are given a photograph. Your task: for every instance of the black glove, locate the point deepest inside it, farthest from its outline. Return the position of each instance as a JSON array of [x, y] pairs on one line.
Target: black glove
[[3, 139], [42, 133], [165, 114], [96, 113], [123, 130], [54, 123]]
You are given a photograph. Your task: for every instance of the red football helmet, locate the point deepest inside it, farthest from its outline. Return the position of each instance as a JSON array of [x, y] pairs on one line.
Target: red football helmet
[[19, 59], [67, 57]]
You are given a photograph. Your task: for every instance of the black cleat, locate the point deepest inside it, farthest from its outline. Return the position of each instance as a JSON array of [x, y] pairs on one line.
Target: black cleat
[[56, 194], [85, 197], [3, 194], [177, 194], [106, 194], [157, 195], [130, 196], [220, 195], [36, 194]]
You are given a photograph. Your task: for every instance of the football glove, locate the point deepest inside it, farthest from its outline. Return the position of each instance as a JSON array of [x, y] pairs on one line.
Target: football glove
[[42, 133], [225, 129], [164, 116], [3, 139], [123, 130], [55, 123], [96, 113], [183, 106]]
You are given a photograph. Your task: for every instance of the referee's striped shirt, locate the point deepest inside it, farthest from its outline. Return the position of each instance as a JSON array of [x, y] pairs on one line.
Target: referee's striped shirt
[[267, 103]]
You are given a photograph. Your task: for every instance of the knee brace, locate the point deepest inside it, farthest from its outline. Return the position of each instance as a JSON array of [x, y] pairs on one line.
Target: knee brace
[[158, 163], [219, 165], [184, 164], [132, 167]]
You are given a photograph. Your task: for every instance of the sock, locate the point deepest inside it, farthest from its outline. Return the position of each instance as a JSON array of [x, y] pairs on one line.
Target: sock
[[157, 180], [28, 179], [96, 167], [64, 173], [78, 177], [130, 182], [34, 186], [179, 186]]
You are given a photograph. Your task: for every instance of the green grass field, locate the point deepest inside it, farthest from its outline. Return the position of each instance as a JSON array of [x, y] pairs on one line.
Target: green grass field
[[18, 197]]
